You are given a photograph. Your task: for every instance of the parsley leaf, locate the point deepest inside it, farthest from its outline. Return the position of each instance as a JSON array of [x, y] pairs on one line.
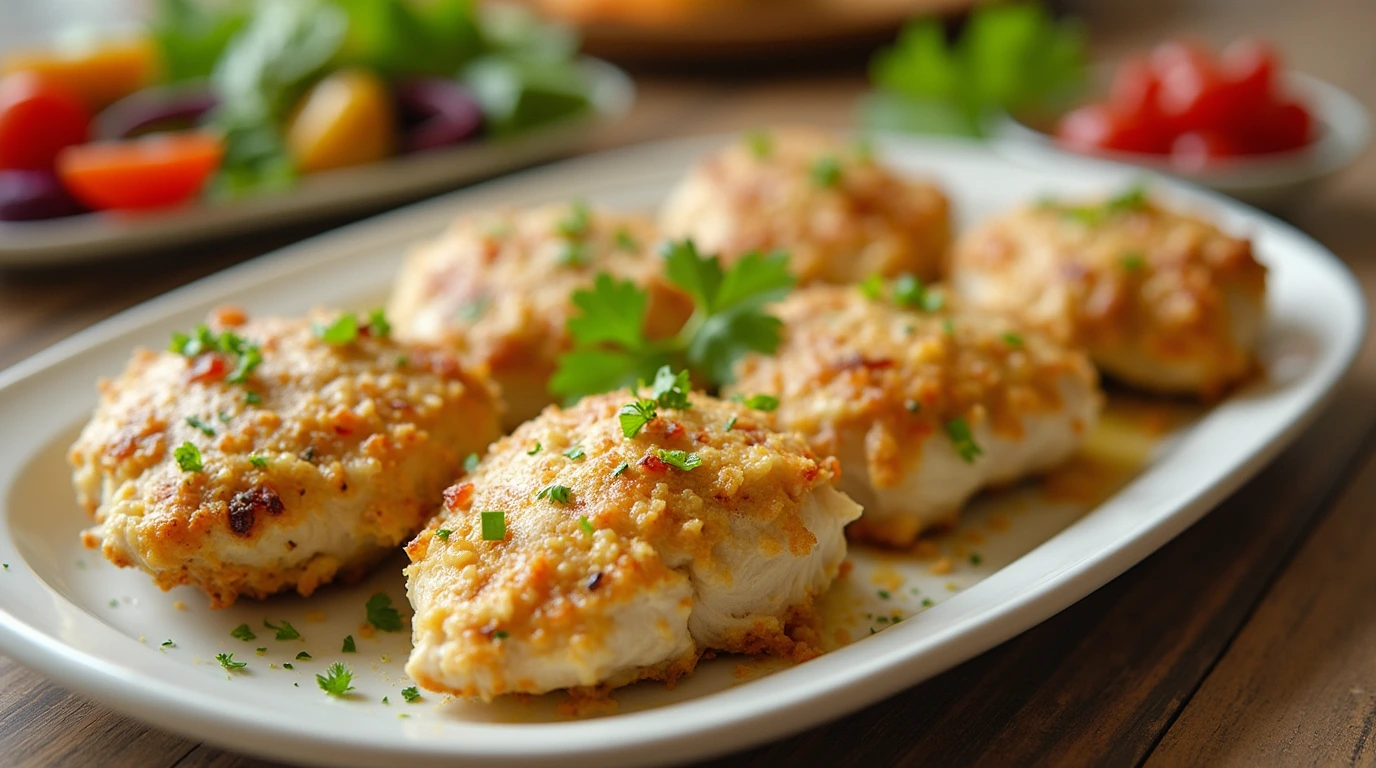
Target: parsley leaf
[[730, 423], [538, 447], [303, 656], [964, 441], [285, 631], [577, 223], [671, 390], [205, 428], [762, 402], [443, 534], [1012, 340], [826, 172], [188, 457], [378, 325], [337, 679], [621, 469], [610, 349], [494, 525], [1133, 261], [227, 661], [411, 694], [586, 525], [349, 646], [242, 632], [555, 493], [635, 415], [381, 614], [681, 459], [575, 453], [344, 330], [626, 241], [260, 462]]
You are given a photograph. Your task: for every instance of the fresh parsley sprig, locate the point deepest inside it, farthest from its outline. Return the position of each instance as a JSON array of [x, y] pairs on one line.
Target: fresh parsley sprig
[[610, 349]]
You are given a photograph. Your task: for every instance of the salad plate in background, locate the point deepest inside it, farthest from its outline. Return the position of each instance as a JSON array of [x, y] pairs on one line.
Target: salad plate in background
[[1017, 557], [211, 119]]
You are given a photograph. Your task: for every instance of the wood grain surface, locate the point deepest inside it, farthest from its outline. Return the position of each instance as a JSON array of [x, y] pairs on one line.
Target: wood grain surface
[[1249, 640]]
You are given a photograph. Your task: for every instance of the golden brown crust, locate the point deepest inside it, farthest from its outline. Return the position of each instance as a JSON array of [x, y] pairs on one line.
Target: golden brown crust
[[633, 525], [497, 288], [839, 228], [344, 457], [1141, 288]]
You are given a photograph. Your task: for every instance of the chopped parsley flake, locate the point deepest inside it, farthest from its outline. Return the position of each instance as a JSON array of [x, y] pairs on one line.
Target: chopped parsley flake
[[260, 462], [261, 651], [555, 493], [411, 694], [959, 431], [188, 457], [731, 422], [586, 525], [578, 221], [377, 324], [575, 453], [975, 558], [826, 172], [927, 602], [908, 291], [1133, 261], [470, 464], [494, 525], [349, 646], [243, 632], [382, 615], [625, 241], [403, 361], [681, 459], [246, 356], [168, 644], [288, 665], [285, 631], [538, 447], [472, 310], [344, 330], [761, 144], [227, 661], [253, 398], [671, 389], [762, 402], [621, 469], [634, 416], [884, 594], [872, 287], [443, 534], [223, 417], [385, 701], [337, 679], [1012, 339], [501, 634], [303, 656], [574, 254]]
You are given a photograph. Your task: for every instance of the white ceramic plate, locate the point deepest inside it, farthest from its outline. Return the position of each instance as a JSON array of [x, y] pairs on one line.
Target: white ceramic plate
[[1018, 558], [99, 236]]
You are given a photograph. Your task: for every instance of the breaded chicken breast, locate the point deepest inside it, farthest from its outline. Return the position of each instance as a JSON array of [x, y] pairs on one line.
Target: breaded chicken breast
[[1163, 301], [497, 287], [922, 409], [839, 214], [577, 556], [258, 457]]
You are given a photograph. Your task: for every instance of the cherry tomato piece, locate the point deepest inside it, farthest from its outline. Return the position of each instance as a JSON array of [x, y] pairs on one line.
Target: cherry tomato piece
[[1249, 67], [1098, 127], [1284, 127], [155, 171], [37, 120], [1197, 150]]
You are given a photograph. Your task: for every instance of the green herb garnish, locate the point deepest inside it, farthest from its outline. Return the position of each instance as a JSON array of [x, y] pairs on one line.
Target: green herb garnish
[[555, 493], [344, 330], [731, 422], [349, 646], [411, 694], [575, 453], [761, 144], [1013, 340], [227, 661], [188, 457], [681, 459], [586, 525], [494, 525], [443, 534], [959, 431], [337, 679], [378, 325], [762, 402], [303, 656], [872, 287], [538, 447], [635, 415], [470, 464], [825, 172], [621, 469], [260, 462], [285, 631], [242, 632], [381, 614], [1133, 261]]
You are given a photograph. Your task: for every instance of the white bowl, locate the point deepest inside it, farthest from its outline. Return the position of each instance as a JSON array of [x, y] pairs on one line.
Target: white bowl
[[1267, 181]]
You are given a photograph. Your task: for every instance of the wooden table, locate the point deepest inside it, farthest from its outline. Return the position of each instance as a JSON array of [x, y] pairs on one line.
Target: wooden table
[[1250, 640]]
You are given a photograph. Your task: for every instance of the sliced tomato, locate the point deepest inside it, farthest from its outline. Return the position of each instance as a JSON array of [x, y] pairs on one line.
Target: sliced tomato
[[1284, 127], [37, 119], [155, 171], [1192, 95], [1098, 127], [1249, 66], [1197, 150]]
